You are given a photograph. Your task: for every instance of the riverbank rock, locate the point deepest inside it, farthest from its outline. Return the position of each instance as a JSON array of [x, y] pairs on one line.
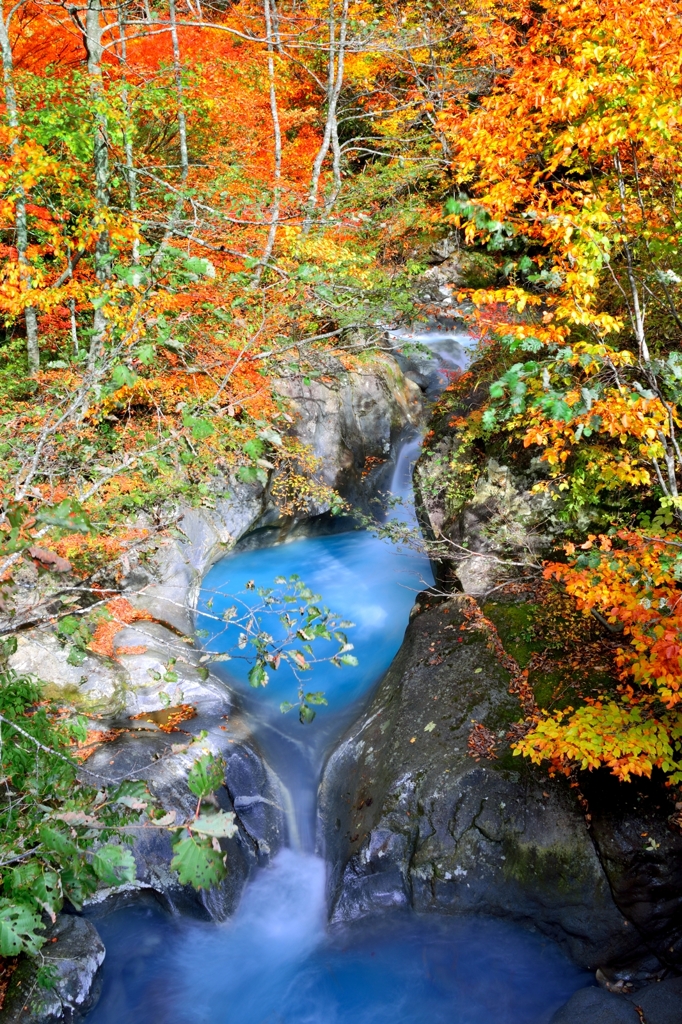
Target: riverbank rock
[[163, 761], [661, 1003], [478, 502], [410, 819], [97, 685], [74, 952]]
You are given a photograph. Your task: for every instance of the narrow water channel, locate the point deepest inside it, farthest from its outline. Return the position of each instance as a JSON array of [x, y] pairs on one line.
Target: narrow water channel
[[277, 961]]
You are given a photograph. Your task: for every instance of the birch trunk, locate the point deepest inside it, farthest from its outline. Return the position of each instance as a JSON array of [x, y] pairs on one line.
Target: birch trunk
[[127, 137], [277, 141], [337, 54], [21, 225], [93, 42], [177, 70]]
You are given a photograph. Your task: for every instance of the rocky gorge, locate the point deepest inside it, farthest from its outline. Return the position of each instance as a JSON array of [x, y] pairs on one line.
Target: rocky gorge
[[407, 817]]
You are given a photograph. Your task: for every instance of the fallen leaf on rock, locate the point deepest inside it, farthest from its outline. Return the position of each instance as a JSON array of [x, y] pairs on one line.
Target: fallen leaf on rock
[[47, 557]]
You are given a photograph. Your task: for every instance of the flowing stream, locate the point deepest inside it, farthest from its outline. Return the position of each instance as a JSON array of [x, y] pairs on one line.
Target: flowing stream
[[277, 961]]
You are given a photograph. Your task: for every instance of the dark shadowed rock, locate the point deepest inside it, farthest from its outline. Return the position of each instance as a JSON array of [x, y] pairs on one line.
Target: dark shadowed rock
[[596, 1006], [408, 817], [641, 855], [75, 953], [661, 1003]]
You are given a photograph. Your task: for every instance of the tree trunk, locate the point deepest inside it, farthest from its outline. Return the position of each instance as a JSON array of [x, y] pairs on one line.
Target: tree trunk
[[127, 137], [93, 43], [21, 226]]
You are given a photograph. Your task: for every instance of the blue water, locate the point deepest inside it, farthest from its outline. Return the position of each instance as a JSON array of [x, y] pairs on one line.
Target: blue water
[[362, 578], [276, 963]]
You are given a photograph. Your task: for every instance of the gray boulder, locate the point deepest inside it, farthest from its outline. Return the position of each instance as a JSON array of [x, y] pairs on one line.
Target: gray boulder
[[409, 818], [97, 685], [75, 953], [491, 519]]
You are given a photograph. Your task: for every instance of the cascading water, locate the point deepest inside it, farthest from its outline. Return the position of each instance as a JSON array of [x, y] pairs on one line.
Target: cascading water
[[364, 579], [276, 960]]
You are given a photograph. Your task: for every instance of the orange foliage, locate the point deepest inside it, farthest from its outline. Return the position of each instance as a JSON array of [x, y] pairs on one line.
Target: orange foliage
[[121, 614]]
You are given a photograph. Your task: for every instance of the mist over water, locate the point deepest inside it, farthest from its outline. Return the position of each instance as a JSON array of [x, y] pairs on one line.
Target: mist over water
[[276, 961]]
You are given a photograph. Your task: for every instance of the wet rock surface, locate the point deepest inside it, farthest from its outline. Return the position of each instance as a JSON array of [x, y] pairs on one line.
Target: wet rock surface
[[660, 1003], [642, 857], [74, 954], [409, 818]]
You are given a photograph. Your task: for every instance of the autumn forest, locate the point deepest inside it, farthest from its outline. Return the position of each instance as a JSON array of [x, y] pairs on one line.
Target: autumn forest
[[211, 213]]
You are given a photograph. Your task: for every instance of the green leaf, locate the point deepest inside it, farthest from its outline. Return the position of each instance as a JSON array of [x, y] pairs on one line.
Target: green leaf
[[57, 842], [316, 698], [199, 266], [348, 659], [76, 656], [47, 891], [18, 927], [305, 714], [252, 475], [253, 448], [206, 775], [146, 354], [258, 676], [69, 625], [67, 515], [8, 647], [122, 376], [114, 865], [197, 863], [131, 794], [220, 824], [201, 428]]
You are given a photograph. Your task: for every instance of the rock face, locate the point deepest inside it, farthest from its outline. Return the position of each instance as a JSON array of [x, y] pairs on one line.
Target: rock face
[[409, 818], [98, 685], [661, 1003], [75, 953], [642, 857], [492, 518], [250, 789], [351, 425]]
